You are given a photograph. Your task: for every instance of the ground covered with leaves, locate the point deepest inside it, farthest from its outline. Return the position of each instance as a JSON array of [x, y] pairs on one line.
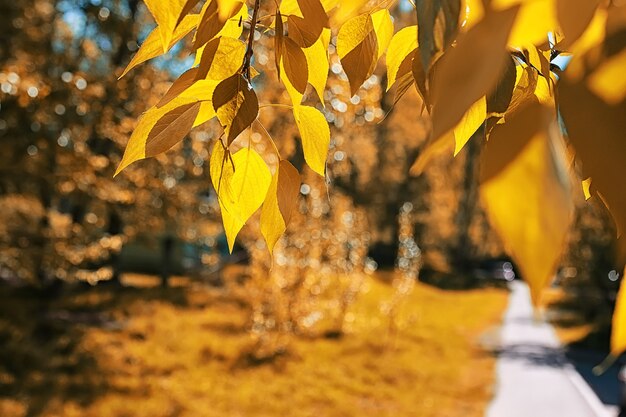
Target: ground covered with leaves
[[186, 351]]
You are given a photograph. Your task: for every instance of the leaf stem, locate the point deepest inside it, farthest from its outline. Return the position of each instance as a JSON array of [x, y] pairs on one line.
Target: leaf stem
[[285, 106], [269, 138]]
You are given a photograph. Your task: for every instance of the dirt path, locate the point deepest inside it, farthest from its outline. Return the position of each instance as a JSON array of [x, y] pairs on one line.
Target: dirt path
[[533, 376]]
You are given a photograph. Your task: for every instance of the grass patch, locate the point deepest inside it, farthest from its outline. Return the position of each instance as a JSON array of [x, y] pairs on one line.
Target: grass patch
[[181, 352]]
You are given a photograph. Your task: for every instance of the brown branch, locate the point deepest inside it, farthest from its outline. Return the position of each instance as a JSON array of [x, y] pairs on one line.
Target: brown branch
[[247, 61]]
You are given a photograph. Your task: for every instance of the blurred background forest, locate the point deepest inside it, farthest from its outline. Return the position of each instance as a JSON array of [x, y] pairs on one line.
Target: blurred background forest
[[66, 224]]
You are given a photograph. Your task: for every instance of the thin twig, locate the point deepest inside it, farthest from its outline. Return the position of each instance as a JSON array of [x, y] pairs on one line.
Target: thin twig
[[249, 51]]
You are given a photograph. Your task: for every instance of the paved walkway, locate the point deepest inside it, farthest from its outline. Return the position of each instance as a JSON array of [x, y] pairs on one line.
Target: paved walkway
[[533, 377]]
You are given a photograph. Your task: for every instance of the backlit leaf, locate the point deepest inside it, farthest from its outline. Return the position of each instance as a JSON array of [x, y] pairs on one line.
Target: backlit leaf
[[383, 27], [232, 29], [469, 124], [472, 11], [500, 97], [586, 186], [280, 201], [536, 18], [574, 16], [181, 84], [278, 41], [404, 77], [608, 81], [236, 105], [403, 43], [211, 24], [526, 193], [295, 65], [241, 185], [357, 49], [317, 63], [152, 46], [302, 32], [221, 58], [315, 135], [159, 129], [458, 81], [166, 14], [596, 129], [187, 7]]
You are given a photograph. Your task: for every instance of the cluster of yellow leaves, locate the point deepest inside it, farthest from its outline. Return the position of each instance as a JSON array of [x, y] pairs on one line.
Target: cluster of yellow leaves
[[478, 66]]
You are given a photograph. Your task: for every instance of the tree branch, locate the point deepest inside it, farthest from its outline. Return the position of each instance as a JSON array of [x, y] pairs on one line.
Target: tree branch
[[247, 61]]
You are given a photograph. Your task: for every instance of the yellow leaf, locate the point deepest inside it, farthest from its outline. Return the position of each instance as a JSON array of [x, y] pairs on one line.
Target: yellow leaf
[[226, 8], [206, 113], [295, 65], [591, 38], [279, 34], [596, 129], [221, 58], [469, 124], [212, 24], [436, 147], [236, 105], [294, 94], [166, 14], [357, 48], [151, 137], [317, 63], [241, 185], [608, 81], [229, 27], [543, 91], [353, 33], [383, 27], [279, 203], [574, 17], [315, 135], [458, 80], [152, 46], [536, 18], [527, 194], [403, 43], [586, 184], [472, 11]]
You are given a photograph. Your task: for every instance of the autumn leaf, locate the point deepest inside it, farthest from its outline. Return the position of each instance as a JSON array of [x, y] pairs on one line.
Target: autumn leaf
[[295, 65], [500, 97], [526, 192], [317, 63], [402, 44], [280, 201], [469, 124], [166, 14], [152, 47], [187, 7], [383, 28], [358, 49], [211, 23], [535, 20], [404, 77], [279, 33], [181, 84], [241, 181], [596, 130], [159, 129], [315, 135], [306, 19], [221, 58], [458, 81], [236, 105]]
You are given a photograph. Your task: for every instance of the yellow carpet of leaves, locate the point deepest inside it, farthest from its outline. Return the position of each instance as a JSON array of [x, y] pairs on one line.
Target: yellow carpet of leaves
[[182, 352]]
